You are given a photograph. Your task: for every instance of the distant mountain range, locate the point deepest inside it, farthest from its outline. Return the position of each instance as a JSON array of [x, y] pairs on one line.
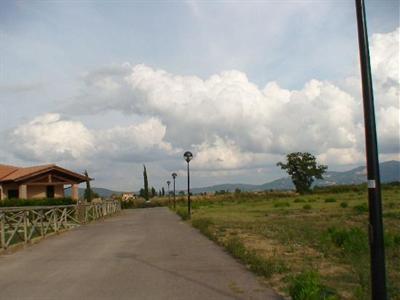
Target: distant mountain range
[[389, 170], [105, 193]]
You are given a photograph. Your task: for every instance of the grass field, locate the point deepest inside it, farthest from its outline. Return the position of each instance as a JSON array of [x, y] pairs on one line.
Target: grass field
[[309, 247]]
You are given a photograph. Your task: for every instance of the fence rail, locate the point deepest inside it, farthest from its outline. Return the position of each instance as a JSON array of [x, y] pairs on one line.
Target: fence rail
[[23, 224]]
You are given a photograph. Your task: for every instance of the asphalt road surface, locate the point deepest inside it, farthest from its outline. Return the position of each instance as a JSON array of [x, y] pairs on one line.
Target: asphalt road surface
[[139, 254]]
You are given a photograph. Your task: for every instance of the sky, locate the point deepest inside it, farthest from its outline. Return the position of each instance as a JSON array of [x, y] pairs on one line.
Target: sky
[[108, 86]]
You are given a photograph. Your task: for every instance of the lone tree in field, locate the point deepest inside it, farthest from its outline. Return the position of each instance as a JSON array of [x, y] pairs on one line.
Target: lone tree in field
[[303, 168], [146, 184]]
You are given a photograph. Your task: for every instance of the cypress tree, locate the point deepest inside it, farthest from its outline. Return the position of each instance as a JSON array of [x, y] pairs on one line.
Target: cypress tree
[[146, 184]]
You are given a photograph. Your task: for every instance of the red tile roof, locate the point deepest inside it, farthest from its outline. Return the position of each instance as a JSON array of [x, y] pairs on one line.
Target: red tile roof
[[13, 173]]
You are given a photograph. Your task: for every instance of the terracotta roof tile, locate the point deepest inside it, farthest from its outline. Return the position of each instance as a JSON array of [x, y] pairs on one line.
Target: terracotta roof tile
[[6, 170], [12, 173], [22, 172]]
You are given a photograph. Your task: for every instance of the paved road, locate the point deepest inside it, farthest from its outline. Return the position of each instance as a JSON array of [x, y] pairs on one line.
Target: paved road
[[139, 254]]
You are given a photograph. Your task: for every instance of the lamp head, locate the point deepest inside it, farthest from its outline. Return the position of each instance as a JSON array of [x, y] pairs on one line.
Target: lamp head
[[168, 182], [174, 175], [188, 156]]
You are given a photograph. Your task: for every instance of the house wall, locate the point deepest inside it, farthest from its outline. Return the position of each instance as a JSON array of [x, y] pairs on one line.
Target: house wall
[[39, 191], [2, 195], [33, 191], [5, 187]]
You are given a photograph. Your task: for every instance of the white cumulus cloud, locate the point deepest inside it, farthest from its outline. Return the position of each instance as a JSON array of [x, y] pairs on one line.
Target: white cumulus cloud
[[50, 137], [228, 121]]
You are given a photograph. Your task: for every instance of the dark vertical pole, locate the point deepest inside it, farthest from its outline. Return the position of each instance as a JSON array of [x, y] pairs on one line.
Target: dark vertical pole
[[174, 195], [188, 191], [378, 274], [169, 197]]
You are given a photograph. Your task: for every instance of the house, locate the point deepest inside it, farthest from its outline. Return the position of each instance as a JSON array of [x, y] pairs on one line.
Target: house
[[46, 181]]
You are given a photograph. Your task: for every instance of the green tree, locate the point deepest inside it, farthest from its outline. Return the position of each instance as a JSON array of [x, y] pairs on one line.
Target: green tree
[[153, 192], [146, 184], [303, 168], [88, 192]]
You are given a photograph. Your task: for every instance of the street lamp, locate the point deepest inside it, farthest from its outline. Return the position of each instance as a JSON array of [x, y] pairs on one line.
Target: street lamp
[[188, 157], [174, 176], [169, 196]]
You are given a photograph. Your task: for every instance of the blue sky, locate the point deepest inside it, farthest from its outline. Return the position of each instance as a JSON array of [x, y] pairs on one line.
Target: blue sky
[[50, 52]]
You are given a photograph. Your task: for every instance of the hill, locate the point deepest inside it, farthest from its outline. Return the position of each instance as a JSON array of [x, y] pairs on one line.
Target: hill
[[390, 171], [105, 193]]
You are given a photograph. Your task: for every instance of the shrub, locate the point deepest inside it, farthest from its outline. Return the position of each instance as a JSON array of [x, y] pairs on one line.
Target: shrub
[[353, 241], [361, 208], [391, 205], [392, 214], [307, 286], [330, 199], [307, 206], [343, 204], [36, 202], [336, 189], [392, 239], [299, 200], [282, 204]]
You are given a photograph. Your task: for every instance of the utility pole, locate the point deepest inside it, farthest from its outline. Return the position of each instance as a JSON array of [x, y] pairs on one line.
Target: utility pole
[[377, 250]]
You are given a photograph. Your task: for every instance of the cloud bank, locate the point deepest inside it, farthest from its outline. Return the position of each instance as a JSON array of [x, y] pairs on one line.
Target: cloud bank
[[229, 122]]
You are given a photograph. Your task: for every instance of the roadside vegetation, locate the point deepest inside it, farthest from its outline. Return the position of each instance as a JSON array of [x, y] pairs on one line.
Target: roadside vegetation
[[312, 246], [36, 202]]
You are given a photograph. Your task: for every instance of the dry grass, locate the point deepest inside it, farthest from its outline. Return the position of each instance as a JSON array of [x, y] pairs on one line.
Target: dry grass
[[292, 240]]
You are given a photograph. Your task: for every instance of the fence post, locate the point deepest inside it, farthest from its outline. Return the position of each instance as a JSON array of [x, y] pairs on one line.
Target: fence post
[[55, 219], [3, 230], [81, 210], [26, 226], [41, 223]]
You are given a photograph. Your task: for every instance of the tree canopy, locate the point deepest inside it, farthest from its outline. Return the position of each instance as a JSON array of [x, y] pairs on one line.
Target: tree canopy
[[303, 169]]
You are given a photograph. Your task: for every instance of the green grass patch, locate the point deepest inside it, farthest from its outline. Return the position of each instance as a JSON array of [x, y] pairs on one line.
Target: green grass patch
[[299, 200], [182, 212], [308, 286], [281, 204], [360, 208], [330, 200]]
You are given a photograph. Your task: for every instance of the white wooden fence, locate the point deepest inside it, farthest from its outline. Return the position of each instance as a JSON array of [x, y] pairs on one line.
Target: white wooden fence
[[23, 224]]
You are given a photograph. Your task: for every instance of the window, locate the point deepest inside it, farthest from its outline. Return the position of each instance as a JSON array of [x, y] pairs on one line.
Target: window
[[13, 194], [50, 191]]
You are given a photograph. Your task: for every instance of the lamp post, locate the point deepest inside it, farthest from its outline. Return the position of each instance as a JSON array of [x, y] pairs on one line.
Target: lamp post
[[169, 196], [378, 272], [188, 157], [174, 176]]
